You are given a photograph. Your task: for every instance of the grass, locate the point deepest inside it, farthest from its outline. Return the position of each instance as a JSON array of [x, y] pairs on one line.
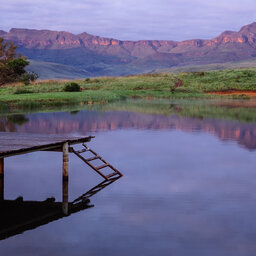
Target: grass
[[235, 110], [227, 109], [250, 63], [49, 93], [56, 70]]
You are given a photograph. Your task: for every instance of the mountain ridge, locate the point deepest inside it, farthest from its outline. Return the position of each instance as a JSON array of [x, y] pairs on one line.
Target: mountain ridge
[[66, 39], [104, 55]]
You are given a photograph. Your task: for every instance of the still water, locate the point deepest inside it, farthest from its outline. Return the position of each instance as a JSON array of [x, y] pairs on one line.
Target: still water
[[189, 184]]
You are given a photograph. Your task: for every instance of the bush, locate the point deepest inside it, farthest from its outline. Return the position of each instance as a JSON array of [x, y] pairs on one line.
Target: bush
[[17, 66], [248, 73], [72, 87], [29, 77]]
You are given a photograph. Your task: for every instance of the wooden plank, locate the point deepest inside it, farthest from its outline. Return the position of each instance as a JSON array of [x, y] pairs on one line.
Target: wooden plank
[[65, 160], [93, 167], [112, 174], [20, 143], [92, 158], [102, 166]]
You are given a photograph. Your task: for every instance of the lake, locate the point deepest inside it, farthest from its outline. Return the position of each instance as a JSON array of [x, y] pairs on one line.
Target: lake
[[189, 184]]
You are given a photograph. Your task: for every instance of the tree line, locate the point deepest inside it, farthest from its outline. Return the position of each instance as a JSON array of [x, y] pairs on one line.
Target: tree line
[[12, 65]]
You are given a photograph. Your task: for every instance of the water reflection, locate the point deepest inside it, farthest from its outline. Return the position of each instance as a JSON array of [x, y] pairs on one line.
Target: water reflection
[[9, 123], [18, 216], [184, 192], [86, 122]]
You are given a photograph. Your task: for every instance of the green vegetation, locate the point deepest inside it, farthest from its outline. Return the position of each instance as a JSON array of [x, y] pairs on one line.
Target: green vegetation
[[72, 87], [12, 66], [227, 109], [250, 63], [55, 70], [22, 91], [51, 70], [149, 86]]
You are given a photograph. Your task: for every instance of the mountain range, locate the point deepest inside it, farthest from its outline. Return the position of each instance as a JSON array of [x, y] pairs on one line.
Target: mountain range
[[92, 55]]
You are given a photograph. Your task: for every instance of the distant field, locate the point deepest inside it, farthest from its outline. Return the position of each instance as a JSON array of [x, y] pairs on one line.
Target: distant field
[[106, 89], [251, 63], [51, 70]]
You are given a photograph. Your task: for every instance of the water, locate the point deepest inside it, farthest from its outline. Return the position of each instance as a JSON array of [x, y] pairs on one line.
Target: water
[[188, 186]]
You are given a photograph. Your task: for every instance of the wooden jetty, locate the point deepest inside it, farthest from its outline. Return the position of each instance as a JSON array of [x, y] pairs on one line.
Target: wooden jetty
[[12, 144]]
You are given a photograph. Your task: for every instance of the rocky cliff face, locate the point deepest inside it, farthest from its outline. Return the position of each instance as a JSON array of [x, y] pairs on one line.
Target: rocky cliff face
[[228, 46], [47, 39]]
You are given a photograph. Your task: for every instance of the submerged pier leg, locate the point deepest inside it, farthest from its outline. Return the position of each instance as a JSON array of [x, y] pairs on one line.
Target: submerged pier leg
[[65, 179], [1, 179]]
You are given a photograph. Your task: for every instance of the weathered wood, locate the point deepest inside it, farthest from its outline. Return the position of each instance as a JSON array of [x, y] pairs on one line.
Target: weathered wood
[[98, 168], [92, 158], [21, 143], [65, 179], [92, 166], [70, 149], [112, 174], [1, 179], [65, 160], [102, 166]]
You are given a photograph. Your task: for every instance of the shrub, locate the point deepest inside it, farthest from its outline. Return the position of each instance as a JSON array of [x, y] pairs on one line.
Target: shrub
[[17, 66], [248, 73], [29, 77], [197, 73], [72, 87]]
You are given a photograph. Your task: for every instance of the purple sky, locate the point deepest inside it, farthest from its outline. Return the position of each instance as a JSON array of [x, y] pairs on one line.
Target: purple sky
[[130, 19]]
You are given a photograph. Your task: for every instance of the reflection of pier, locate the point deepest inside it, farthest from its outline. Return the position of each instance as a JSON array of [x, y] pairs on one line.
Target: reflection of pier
[[95, 190], [21, 143], [18, 216]]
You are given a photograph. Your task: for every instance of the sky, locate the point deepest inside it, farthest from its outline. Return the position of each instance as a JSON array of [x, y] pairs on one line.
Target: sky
[[130, 19]]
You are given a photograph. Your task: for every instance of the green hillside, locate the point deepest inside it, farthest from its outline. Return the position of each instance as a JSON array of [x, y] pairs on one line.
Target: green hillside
[[251, 63], [49, 70]]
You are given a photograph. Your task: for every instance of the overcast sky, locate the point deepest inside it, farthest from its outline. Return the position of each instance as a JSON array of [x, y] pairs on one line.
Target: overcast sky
[[130, 19]]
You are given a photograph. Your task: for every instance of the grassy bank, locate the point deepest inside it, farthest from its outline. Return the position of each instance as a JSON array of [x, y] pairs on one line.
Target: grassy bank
[[108, 89], [236, 110]]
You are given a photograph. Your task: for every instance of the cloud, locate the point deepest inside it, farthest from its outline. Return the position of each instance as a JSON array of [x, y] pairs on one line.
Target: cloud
[[132, 19]]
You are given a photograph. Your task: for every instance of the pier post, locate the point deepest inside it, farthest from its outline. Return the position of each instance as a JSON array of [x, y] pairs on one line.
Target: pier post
[[1, 179], [65, 179]]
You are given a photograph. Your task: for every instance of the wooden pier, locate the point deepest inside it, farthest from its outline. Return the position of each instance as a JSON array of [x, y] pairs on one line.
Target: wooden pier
[[12, 144]]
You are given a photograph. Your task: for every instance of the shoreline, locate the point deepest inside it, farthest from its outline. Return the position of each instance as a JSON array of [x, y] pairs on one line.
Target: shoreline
[[230, 84]]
